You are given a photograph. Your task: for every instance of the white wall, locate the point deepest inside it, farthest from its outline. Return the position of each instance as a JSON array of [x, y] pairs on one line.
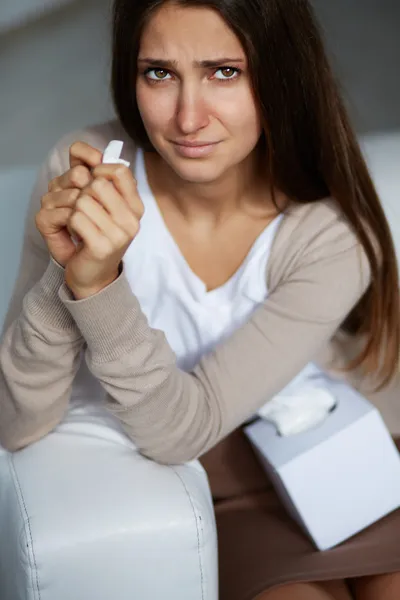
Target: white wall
[[57, 73], [17, 12]]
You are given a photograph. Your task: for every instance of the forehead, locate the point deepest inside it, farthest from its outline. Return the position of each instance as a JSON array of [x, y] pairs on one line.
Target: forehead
[[174, 30]]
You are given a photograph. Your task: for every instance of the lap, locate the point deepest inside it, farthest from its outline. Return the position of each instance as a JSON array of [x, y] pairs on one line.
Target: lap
[[262, 548], [382, 587], [328, 590]]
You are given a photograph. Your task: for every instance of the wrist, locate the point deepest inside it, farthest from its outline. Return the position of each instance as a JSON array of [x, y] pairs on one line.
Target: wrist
[[82, 293]]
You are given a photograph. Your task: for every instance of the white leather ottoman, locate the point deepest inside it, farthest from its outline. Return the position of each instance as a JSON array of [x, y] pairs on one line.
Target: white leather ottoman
[[83, 516]]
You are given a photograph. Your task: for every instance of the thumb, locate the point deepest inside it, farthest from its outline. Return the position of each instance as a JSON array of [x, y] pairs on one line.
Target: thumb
[[81, 153]]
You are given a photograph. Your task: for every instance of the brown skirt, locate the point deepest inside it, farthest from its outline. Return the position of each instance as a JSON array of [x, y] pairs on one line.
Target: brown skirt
[[260, 547]]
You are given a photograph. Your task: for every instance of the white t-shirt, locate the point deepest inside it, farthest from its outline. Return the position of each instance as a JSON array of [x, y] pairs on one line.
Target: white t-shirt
[[173, 297]]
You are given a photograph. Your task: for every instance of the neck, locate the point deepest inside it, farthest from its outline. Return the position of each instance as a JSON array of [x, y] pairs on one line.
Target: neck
[[240, 189]]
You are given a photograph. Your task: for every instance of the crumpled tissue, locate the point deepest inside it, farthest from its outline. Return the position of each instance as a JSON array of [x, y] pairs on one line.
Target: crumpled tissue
[[303, 404]]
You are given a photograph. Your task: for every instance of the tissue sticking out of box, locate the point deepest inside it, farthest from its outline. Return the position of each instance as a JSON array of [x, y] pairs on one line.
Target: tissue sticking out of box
[[297, 411]]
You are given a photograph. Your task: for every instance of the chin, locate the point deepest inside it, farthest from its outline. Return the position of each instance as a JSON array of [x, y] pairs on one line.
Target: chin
[[199, 173], [198, 170]]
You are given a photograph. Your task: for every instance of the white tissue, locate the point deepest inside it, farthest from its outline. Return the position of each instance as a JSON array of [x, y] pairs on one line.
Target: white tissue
[[305, 403], [112, 154], [299, 412]]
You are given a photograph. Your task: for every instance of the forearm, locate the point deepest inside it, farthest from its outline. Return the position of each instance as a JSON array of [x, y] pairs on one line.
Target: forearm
[[163, 409], [173, 416], [39, 356]]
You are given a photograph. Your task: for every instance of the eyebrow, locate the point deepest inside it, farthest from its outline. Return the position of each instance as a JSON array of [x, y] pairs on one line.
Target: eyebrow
[[203, 64]]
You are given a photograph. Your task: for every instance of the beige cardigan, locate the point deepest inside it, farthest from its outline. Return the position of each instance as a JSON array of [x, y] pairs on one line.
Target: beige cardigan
[[316, 274]]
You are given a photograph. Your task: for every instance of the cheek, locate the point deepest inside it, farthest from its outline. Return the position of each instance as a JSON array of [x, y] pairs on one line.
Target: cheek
[[155, 109], [239, 114]]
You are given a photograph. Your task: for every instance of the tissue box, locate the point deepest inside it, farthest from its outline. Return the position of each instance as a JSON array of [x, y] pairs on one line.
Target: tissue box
[[337, 478]]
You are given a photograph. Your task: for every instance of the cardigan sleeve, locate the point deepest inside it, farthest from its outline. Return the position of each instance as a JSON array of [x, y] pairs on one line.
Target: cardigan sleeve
[[174, 416], [41, 343]]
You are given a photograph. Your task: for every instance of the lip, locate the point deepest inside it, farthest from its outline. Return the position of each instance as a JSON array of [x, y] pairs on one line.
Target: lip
[[193, 144], [194, 149]]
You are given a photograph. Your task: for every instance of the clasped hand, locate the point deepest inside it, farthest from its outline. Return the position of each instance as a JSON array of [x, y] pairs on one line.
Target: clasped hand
[[106, 218], [100, 205]]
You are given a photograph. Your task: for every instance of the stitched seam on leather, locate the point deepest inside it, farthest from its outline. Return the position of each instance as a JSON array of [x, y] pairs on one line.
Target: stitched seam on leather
[[14, 478], [27, 522], [196, 520]]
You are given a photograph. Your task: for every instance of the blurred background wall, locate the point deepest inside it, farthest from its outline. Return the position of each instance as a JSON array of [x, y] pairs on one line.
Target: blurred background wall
[[14, 13], [54, 68]]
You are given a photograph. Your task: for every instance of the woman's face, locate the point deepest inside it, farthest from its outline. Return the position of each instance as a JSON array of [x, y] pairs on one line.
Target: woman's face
[[194, 93]]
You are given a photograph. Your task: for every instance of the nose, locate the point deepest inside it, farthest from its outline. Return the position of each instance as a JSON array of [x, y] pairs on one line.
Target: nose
[[192, 114]]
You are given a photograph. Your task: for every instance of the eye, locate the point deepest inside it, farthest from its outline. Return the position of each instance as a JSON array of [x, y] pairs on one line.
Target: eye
[[157, 74], [227, 73]]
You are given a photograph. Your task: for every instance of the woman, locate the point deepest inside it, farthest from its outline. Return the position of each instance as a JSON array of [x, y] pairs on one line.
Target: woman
[[253, 238]]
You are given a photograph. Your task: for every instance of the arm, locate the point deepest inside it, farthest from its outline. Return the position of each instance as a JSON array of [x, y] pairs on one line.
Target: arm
[[174, 416], [40, 346]]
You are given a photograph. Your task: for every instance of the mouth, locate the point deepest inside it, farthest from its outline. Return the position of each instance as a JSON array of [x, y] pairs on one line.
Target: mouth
[[194, 144], [194, 149]]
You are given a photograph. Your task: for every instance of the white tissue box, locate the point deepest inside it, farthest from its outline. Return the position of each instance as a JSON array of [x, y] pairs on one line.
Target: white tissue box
[[337, 478]]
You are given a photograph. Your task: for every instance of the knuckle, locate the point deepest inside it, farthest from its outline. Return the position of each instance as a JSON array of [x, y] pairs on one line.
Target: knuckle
[[39, 219], [102, 250], [68, 213], [49, 201], [75, 147], [121, 170], [74, 219], [64, 215], [99, 185], [79, 176], [52, 184], [134, 227], [72, 196], [120, 237], [82, 203], [45, 200]]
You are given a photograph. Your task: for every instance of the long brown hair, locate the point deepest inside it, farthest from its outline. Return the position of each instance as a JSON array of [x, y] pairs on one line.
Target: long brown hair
[[311, 149]]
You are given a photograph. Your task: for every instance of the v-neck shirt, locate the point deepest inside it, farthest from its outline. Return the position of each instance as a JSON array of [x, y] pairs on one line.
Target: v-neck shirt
[[174, 299]]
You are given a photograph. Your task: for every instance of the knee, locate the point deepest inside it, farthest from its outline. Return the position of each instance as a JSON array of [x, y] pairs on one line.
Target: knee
[[298, 591], [286, 592], [384, 587], [282, 593]]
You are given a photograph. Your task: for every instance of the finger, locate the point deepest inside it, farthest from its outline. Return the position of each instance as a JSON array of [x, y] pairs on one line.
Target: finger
[[99, 246], [109, 197], [77, 177], [103, 220], [63, 198], [81, 153], [53, 186], [81, 156], [124, 181], [49, 222], [121, 218]]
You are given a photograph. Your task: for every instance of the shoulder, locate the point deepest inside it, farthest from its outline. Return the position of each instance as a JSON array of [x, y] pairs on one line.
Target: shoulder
[[316, 235], [316, 223], [98, 136], [315, 227]]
